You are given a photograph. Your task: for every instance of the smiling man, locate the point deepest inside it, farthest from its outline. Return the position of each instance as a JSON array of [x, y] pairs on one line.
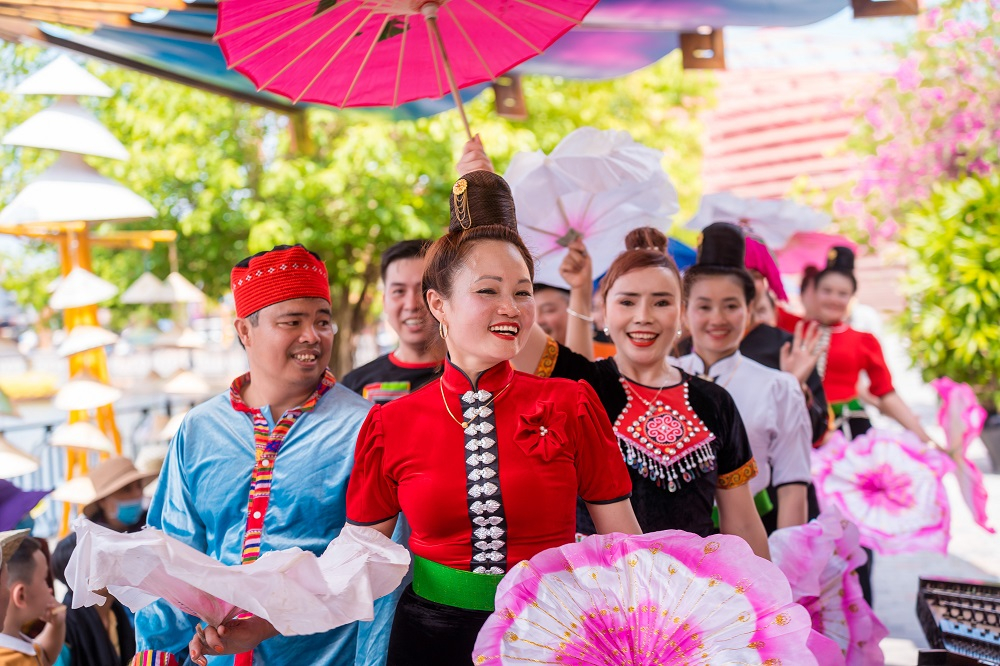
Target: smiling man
[[420, 355], [263, 466]]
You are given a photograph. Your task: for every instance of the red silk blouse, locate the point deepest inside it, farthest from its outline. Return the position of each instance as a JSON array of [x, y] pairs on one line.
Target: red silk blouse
[[503, 489], [850, 352]]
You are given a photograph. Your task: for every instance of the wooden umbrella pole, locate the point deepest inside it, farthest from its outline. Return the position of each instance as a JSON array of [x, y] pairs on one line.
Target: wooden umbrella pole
[[430, 15]]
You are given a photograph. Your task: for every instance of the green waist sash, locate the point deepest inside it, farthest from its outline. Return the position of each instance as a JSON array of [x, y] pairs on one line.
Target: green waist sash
[[453, 587], [855, 405]]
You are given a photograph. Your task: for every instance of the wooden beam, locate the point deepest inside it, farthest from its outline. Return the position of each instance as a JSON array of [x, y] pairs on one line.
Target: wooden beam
[[80, 19], [152, 235], [126, 6], [13, 30], [123, 244], [509, 98], [704, 49], [46, 230], [876, 8]]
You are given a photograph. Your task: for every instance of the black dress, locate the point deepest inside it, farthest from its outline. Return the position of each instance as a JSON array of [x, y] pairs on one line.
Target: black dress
[[763, 344], [689, 506]]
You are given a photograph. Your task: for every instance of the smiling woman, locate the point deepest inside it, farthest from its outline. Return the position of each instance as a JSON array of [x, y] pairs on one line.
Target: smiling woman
[[470, 459], [681, 437]]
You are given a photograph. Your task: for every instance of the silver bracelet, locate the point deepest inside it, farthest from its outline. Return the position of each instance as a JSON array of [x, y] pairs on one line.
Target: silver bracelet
[[573, 313]]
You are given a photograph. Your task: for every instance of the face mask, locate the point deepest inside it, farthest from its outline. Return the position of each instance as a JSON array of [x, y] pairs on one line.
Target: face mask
[[129, 512]]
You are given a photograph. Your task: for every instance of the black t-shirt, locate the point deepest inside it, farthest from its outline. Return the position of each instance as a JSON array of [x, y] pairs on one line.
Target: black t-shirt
[[763, 344], [689, 508], [387, 378]]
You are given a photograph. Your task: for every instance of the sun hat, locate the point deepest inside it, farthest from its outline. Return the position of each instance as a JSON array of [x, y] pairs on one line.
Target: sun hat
[[9, 541], [104, 480], [16, 503]]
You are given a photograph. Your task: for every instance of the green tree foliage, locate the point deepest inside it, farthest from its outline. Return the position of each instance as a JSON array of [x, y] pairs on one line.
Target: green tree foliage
[[954, 292], [235, 179]]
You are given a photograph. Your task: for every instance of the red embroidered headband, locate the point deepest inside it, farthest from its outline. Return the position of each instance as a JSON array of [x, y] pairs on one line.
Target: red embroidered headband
[[276, 276]]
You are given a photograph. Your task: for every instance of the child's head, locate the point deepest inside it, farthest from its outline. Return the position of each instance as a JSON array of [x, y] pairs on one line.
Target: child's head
[[30, 594], [9, 541]]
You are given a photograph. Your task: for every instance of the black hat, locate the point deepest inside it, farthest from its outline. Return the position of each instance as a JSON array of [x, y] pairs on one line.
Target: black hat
[[840, 259], [722, 244], [481, 198]]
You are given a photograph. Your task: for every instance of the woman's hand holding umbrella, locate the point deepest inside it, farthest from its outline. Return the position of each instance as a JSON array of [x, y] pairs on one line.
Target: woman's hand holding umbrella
[[474, 158]]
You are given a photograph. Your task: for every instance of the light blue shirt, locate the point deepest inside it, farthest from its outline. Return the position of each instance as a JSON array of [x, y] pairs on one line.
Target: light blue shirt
[[202, 500]]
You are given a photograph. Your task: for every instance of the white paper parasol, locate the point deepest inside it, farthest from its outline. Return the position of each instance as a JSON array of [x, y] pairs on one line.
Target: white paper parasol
[[595, 185], [774, 221]]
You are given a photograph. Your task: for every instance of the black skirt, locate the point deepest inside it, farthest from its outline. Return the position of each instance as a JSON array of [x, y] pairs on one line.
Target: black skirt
[[425, 633]]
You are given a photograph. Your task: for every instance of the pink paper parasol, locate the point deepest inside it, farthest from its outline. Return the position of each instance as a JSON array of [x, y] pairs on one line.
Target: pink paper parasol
[[962, 418], [665, 598], [385, 52], [889, 485], [820, 559], [809, 248]]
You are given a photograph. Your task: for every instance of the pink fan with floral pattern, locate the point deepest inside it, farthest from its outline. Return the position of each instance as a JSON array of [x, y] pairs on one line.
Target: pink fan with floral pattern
[[820, 559], [962, 419], [889, 485], [666, 598]]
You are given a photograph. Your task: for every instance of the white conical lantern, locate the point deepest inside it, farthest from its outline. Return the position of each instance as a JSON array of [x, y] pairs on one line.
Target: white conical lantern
[[62, 76], [14, 462], [80, 490], [182, 290], [85, 338], [186, 382], [187, 338], [69, 127], [170, 429], [83, 392], [70, 191], [81, 288], [146, 290], [82, 435]]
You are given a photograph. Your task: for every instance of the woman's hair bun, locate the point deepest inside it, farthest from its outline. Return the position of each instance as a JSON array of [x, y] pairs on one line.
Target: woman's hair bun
[[646, 238], [479, 199]]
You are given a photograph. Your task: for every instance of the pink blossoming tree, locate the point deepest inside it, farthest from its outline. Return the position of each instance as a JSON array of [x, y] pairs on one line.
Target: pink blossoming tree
[[936, 119]]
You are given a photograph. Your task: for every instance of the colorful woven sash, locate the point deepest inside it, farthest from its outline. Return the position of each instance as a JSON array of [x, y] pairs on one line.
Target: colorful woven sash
[[267, 443]]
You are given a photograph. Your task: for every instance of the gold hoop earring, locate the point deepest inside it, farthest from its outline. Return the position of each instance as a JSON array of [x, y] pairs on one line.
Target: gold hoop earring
[[443, 330]]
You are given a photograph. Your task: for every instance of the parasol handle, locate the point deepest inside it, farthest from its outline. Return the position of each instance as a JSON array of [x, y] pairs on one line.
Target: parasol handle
[[429, 10]]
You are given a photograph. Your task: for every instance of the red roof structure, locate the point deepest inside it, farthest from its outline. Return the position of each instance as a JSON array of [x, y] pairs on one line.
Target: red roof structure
[[773, 126]]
